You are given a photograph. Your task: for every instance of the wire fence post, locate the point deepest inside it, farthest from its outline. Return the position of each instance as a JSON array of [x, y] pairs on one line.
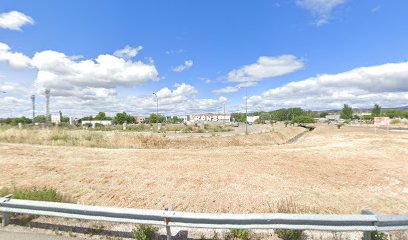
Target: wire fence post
[[367, 235], [168, 230], [5, 215]]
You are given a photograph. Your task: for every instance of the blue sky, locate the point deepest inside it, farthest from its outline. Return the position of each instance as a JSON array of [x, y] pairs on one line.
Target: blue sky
[[315, 54]]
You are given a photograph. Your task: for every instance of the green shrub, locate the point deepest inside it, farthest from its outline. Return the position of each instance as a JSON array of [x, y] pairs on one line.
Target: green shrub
[[241, 234], [378, 236], [303, 119], [395, 121], [144, 232], [36, 194], [290, 234]]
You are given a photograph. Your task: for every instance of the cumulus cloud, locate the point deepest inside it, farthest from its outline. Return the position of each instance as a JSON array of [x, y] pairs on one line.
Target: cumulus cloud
[[127, 52], [82, 86], [361, 87], [236, 88], [320, 9], [186, 65], [266, 67], [56, 70], [14, 20], [180, 100], [13, 87], [15, 59]]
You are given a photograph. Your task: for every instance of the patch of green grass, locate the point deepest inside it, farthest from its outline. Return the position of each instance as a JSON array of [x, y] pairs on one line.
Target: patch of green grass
[[47, 194], [240, 234], [290, 234]]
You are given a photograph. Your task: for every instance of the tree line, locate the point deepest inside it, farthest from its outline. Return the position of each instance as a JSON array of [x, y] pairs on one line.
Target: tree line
[[377, 111], [296, 115]]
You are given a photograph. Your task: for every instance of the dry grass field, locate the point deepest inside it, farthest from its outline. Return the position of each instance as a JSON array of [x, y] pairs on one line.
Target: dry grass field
[[329, 170]]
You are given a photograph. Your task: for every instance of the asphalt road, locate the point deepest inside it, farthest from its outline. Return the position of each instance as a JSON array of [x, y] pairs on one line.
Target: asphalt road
[[4, 235]]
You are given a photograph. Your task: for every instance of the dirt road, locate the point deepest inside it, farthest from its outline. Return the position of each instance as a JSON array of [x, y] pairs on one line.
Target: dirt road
[[342, 171]]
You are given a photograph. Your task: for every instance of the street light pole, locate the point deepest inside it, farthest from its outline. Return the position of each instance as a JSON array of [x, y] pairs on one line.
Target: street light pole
[[246, 109], [157, 110], [224, 114]]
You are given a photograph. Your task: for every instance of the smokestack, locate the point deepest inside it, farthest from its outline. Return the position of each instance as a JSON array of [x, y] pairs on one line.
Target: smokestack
[[47, 106], [33, 101]]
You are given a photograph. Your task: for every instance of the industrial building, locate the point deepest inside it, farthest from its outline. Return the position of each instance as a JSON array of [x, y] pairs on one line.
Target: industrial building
[[210, 118]]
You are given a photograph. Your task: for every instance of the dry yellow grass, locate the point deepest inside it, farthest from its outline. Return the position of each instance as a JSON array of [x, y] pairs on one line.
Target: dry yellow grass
[[118, 139], [328, 170]]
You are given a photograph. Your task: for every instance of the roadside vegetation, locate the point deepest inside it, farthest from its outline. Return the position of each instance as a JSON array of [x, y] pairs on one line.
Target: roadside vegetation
[[128, 139], [145, 232], [47, 194]]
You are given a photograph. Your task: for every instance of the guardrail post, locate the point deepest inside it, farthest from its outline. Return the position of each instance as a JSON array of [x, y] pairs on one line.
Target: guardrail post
[[367, 235], [5, 215], [5, 219], [168, 230]]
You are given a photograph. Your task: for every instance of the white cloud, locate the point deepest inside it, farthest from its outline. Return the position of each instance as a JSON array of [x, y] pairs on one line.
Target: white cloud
[[15, 59], [81, 87], [14, 20], [236, 88], [127, 52], [227, 89], [320, 9], [266, 67], [77, 84], [171, 52], [185, 89], [361, 87], [13, 87], [56, 70], [186, 65], [181, 100]]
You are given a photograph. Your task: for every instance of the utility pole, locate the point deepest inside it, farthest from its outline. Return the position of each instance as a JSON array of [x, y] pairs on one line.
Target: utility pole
[[33, 102]]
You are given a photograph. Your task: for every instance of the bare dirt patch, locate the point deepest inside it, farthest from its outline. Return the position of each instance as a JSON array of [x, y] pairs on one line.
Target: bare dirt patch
[[333, 170]]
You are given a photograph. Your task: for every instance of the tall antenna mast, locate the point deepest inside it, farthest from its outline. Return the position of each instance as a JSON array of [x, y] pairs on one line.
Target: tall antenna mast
[[47, 106], [33, 101]]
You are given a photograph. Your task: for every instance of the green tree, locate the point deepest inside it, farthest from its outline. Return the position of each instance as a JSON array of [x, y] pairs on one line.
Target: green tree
[[154, 118], [175, 120], [323, 114], [347, 112], [40, 119], [102, 116], [121, 118], [376, 111], [396, 113], [239, 117]]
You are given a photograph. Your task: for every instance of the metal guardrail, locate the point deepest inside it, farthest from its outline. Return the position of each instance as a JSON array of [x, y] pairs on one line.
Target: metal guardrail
[[366, 222]]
